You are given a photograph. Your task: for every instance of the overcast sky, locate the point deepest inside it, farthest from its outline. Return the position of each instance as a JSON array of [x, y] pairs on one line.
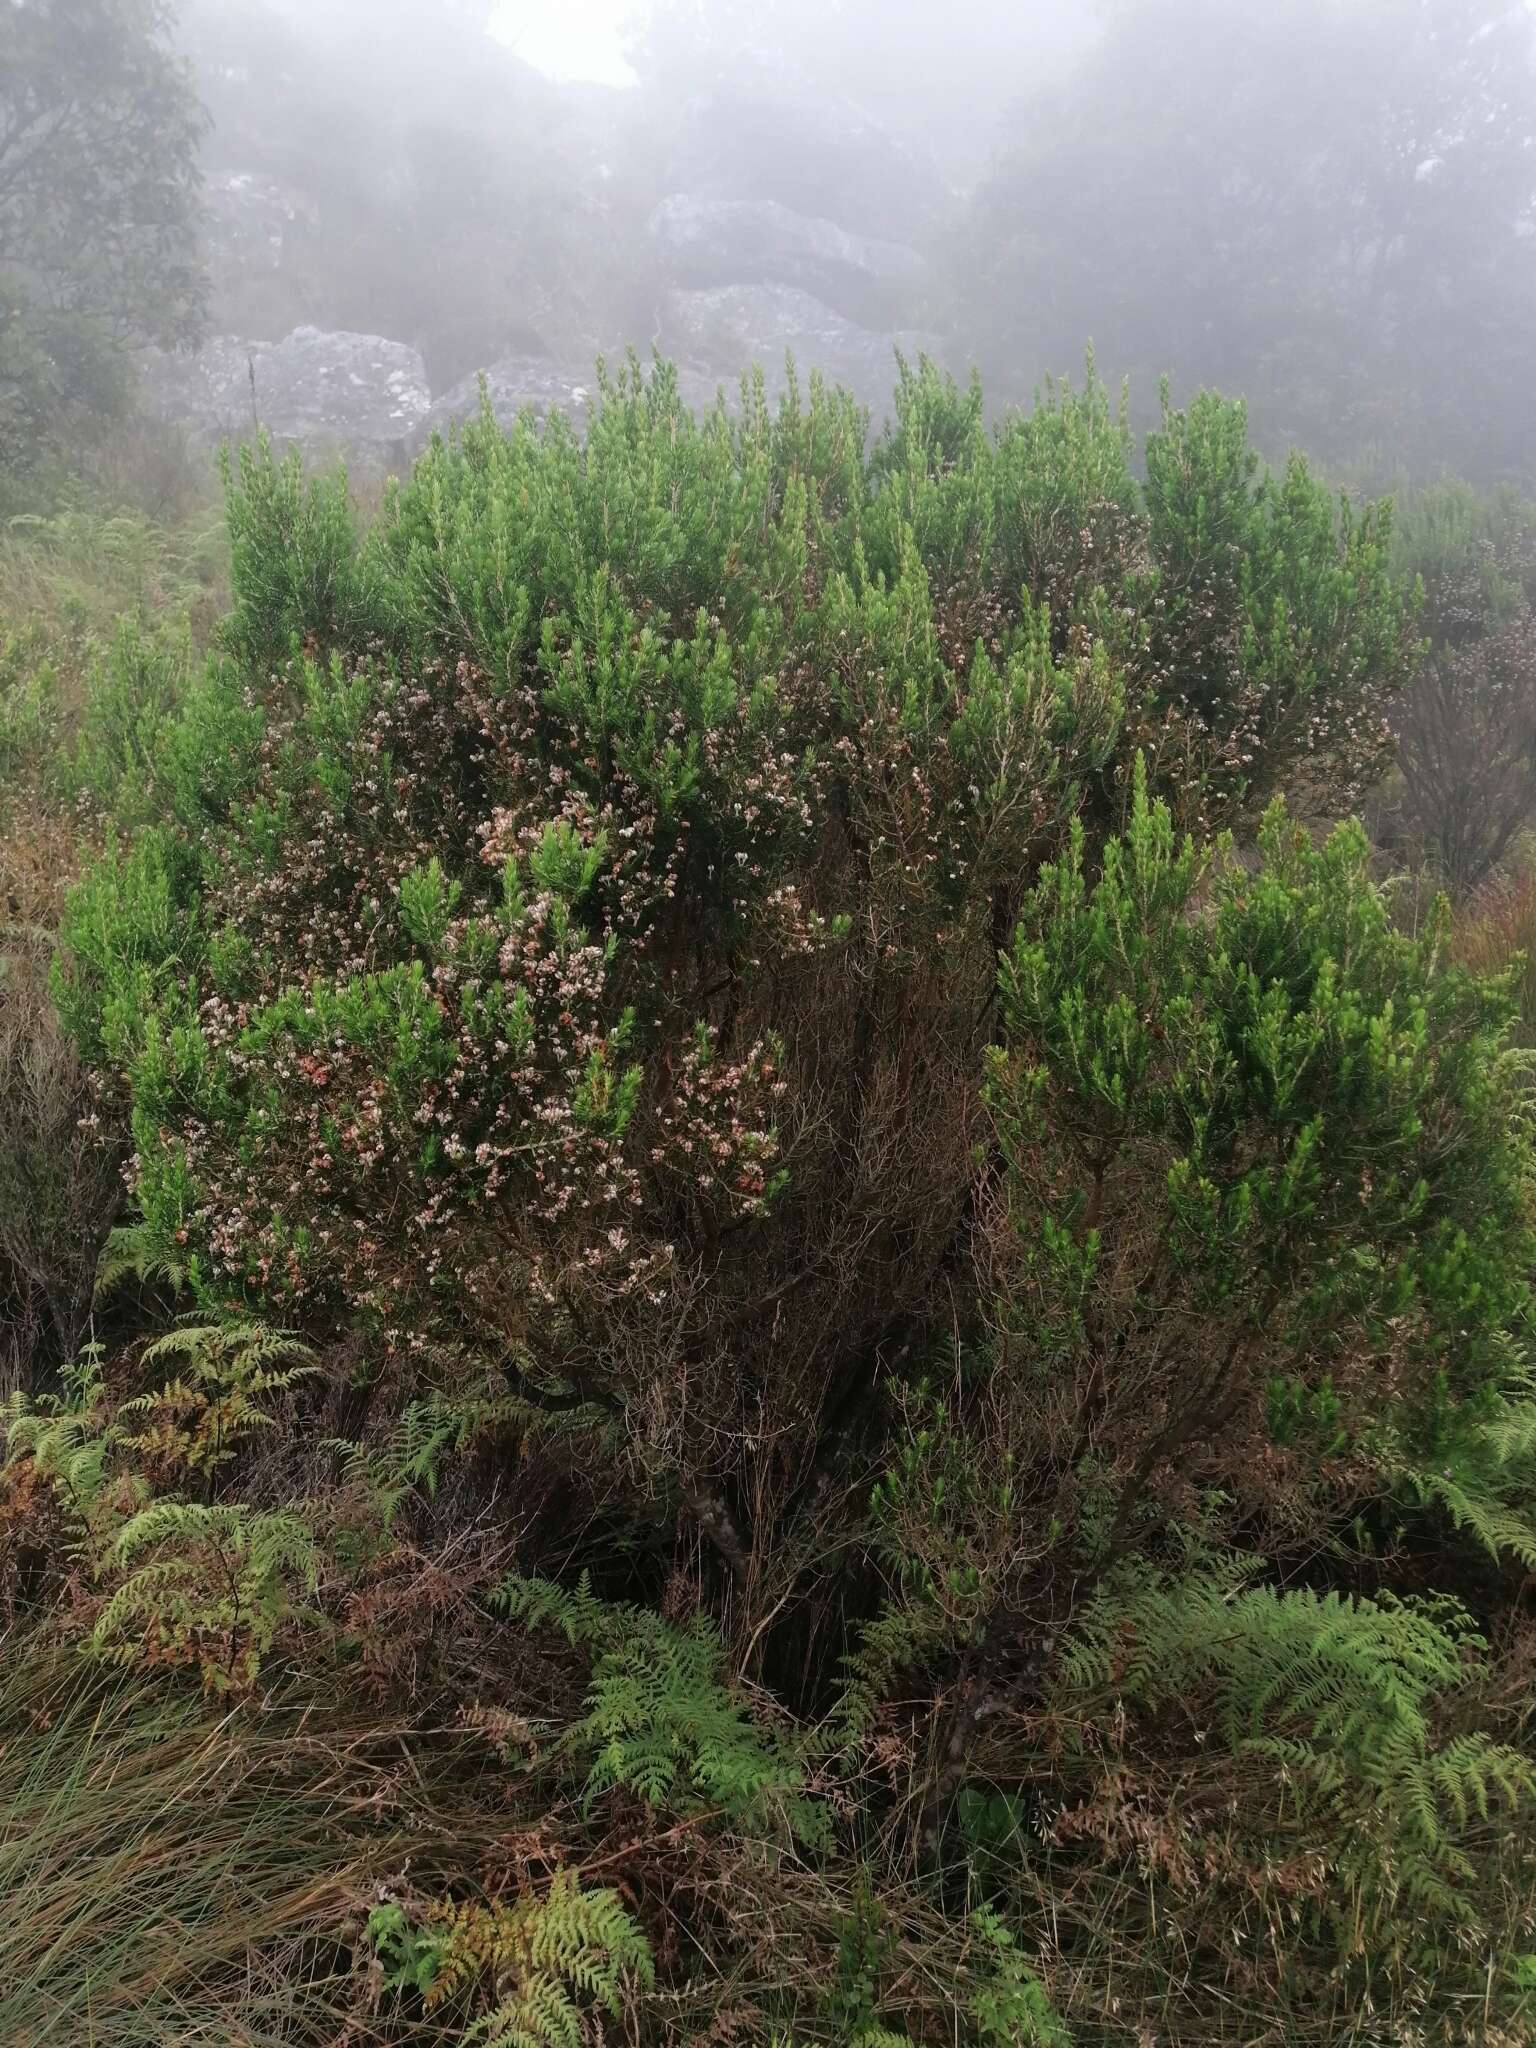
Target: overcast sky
[[571, 38]]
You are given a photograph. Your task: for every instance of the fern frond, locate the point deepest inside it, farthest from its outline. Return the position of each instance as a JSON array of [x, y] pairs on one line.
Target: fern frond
[[660, 1720], [210, 1585], [197, 1420], [536, 1956], [135, 1251], [1500, 1529], [890, 1644], [1337, 1693], [68, 1440]]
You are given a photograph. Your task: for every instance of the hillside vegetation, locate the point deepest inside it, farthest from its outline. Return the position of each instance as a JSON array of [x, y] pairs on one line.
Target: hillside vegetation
[[758, 1293]]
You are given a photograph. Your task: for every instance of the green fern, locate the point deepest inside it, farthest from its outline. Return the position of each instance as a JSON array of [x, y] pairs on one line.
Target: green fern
[[582, 1618], [429, 1432], [1482, 1473], [137, 1251], [209, 1586], [1340, 1694], [67, 1441], [541, 1960], [660, 1721], [266, 1357], [888, 1645], [199, 1418], [385, 1475], [1501, 1530]]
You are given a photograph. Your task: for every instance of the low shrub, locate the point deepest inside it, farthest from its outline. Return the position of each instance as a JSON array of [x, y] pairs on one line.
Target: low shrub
[[911, 1298]]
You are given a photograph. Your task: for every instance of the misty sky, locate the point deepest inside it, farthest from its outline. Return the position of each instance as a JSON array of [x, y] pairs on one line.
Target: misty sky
[[571, 38]]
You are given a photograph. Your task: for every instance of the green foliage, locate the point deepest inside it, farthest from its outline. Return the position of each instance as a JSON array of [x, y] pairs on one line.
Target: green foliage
[[1010, 2005], [866, 1950], [386, 1476], [136, 1251], [28, 707], [65, 1441], [1068, 514], [629, 679], [133, 691], [208, 1586], [660, 1721], [428, 901], [77, 568], [995, 1997], [530, 1966], [1258, 1236], [1339, 1695], [161, 736], [98, 212], [1295, 1125], [130, 942], [1267, 596], [408, 1464], [1448, 532], [1477, 1468], [912, 1627], [197, 1420], [293, 555], [688, 971]]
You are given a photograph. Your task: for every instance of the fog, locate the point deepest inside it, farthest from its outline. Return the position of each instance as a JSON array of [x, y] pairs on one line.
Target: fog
[[1326, 207]]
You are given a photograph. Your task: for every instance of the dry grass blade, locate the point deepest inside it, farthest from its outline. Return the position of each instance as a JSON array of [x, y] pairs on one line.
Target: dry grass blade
[[172, 1874]]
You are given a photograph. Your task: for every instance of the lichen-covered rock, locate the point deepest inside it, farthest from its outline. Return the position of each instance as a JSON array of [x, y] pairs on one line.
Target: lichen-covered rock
[[356, 393], [516, 384]]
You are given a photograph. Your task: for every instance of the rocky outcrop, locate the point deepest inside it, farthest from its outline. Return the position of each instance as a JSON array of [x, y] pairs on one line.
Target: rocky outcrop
[[519, 384], [705, 243], [514, 385], [743, 277], [354, 392], [792, 230], [367, 398], [722, 331], [788, 228]]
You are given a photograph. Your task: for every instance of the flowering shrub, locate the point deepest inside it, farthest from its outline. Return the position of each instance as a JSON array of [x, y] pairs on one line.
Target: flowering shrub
[[593, 759], [696, 972], [586, 944]]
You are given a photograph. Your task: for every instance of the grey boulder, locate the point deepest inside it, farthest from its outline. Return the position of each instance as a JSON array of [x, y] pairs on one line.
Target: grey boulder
[[355, 393], [514, 385]]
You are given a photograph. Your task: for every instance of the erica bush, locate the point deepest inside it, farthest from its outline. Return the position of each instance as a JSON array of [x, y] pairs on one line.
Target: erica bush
[[729, 978]]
